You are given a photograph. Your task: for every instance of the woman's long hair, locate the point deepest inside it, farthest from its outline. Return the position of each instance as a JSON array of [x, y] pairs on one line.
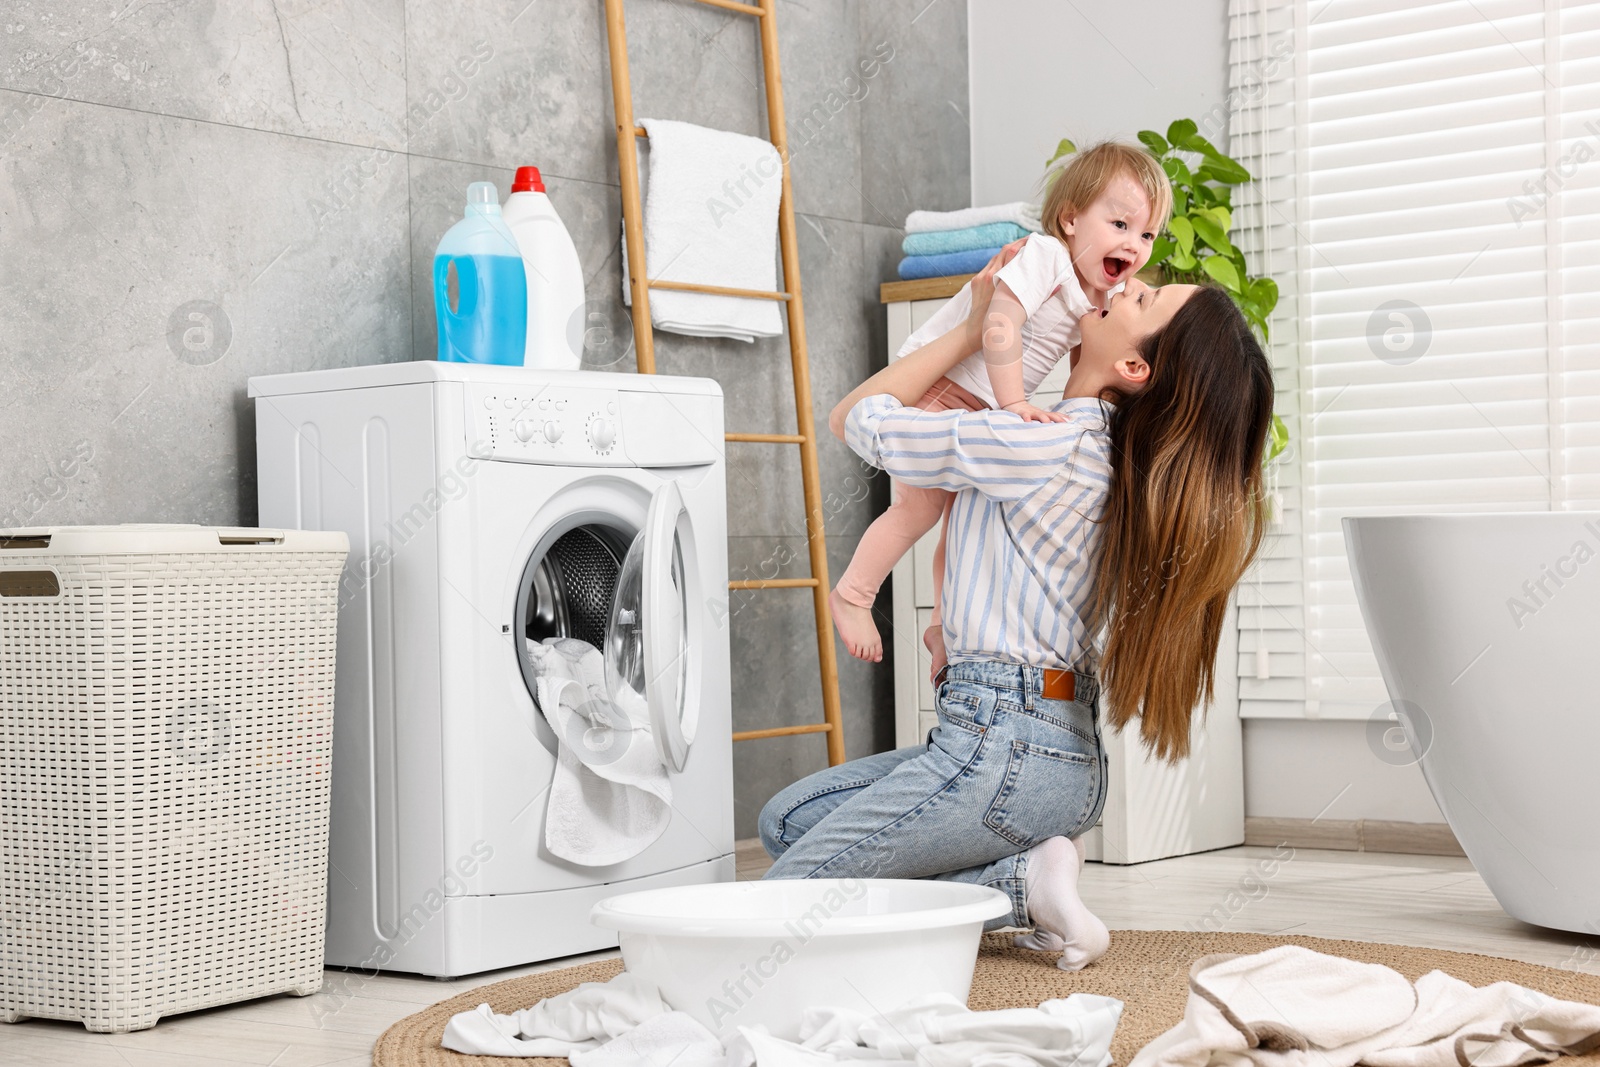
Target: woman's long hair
[[1184, 516]]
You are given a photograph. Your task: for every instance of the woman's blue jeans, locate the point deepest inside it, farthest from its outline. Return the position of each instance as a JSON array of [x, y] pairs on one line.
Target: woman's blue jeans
[[1004, 769]]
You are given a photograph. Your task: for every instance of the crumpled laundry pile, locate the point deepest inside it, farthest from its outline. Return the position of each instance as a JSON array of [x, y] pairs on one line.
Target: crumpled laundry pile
[[1285, 1007], [1292, 1007], [625, 1023]]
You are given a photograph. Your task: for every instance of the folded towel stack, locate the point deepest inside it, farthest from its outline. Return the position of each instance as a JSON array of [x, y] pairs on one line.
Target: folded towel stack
[[940, 243]]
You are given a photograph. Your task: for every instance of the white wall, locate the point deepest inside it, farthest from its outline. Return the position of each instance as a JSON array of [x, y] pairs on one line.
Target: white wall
[[1040, 70], [1306, 768]]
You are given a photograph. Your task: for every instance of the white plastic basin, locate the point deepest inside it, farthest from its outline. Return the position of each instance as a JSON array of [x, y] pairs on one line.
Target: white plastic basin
[[740, 953]]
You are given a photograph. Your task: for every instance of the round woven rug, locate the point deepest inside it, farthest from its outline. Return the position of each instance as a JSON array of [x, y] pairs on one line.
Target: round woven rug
[[1148, 970]]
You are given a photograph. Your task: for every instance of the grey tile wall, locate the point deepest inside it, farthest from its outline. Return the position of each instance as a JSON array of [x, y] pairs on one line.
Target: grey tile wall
[[194, 193]]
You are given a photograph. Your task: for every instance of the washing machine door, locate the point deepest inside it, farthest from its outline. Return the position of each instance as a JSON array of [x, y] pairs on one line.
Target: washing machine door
[[647, 642]]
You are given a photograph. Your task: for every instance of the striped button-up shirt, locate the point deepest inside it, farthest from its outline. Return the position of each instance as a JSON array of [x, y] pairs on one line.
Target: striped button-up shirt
[[1021, 551]]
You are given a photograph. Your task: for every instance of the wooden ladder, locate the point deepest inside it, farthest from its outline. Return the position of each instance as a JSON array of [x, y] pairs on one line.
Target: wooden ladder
[[765, 14]]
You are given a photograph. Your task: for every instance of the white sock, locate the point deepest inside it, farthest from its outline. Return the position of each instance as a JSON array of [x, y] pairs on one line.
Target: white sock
[[1061, 922]]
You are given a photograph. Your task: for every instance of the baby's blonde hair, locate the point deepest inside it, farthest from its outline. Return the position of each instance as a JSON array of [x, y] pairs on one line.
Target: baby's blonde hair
[[1085, 175]]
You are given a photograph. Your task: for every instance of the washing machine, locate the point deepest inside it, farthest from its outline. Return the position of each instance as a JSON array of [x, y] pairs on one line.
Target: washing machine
[[487, 507]]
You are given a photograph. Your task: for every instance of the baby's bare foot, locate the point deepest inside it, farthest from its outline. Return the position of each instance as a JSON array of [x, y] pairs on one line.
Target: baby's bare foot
[[856, 627]]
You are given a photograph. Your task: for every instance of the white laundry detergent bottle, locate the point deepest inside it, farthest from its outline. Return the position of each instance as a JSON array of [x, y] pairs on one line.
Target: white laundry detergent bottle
[[555, 278]]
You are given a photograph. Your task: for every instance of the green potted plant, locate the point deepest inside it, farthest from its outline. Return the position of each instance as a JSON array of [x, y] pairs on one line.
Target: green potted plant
[[1195, 247]]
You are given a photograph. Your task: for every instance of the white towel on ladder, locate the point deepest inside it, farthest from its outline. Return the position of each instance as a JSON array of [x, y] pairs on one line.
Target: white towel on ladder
[[710, 217], [610, 797]]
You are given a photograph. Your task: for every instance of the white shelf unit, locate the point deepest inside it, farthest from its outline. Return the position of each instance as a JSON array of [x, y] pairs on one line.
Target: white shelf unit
[[1153, 810]]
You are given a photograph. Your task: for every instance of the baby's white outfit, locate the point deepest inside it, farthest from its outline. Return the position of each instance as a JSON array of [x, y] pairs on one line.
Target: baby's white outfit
[[1042, 278]]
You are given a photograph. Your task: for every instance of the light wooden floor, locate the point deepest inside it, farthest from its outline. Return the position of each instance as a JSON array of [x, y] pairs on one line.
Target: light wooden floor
[[1436, 901]]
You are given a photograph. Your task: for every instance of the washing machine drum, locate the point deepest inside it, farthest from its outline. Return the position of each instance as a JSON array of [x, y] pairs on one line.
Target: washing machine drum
[[596, 585], [570, 591]]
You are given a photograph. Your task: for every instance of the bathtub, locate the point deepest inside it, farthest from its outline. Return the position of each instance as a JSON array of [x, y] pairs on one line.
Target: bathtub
[[1487, 630]]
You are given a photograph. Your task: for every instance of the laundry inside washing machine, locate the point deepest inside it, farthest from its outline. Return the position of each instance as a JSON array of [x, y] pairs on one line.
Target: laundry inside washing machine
[[611, 796], [588, 585]]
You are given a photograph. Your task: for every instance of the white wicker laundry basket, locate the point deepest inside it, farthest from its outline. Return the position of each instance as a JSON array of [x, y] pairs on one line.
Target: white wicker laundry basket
[[166, 718]]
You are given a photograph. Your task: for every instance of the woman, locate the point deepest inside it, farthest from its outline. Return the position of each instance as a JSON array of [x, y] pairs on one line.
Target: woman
[[1138, 514]]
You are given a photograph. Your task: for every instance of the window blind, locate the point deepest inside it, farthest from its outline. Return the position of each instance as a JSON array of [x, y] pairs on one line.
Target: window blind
[[1574, 203], [1262, 136], [1428, 198]]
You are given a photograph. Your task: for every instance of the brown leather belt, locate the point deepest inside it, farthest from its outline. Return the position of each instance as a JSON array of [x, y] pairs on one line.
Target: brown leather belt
[[1058, 684]]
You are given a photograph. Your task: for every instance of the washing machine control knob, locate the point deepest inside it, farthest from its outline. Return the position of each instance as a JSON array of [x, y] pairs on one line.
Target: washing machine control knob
[[552, 432], [602, 434], [524, 430]]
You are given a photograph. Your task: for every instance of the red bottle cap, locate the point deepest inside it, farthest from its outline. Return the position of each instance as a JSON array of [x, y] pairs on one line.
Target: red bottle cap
[[527, 181]]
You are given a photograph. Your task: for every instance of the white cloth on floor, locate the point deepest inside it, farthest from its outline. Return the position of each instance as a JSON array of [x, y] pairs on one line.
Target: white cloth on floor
[[753, 1045], [939, 1031], [625, 1021], [575, 1021], [710, 217], [610, 796], [1021, 213], [1072, 1032], [895, 1035], [481, 1032], [676, 1039], [1291, 1007]]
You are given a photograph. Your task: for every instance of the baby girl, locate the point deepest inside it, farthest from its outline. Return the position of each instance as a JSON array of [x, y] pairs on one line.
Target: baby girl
[[1101, 216]]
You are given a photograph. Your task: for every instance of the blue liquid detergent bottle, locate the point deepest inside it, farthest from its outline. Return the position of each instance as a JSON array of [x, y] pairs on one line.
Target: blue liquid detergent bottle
[[480, 290]]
